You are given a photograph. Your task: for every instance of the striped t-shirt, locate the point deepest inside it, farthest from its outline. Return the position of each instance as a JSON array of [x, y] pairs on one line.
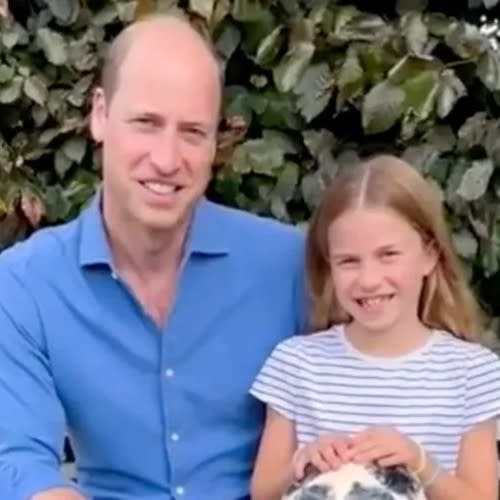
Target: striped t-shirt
[[433, 395]]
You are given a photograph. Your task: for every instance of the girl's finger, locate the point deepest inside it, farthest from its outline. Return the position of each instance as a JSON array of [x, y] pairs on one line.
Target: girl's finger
[[359, 447], [316, 458], [342, 449], [330, 456], [371, 455], [389, 460], [299, 466]]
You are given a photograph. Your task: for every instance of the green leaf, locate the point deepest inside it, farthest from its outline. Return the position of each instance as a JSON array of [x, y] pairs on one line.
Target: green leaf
[[350, 79], [411, 66], [246, 10], [321, 144], [61, 163], [57, 205], [405, 6], [415, 32], [47, 136], [204, 8], [40, 115], [107, 15], [441, 137], [382, 107], [270, 46], [358, 27], [287, 73], [475, 180], [6, 73], [314, 90], [422, 157], [282, 140], [35, 88], [11, 91], [228, 41], [276, 110], [420, 94], [312, 187], [488, 70], [438, 24], [466, 40], [278, 208], [451, 89], [287, 181], [74, 148], [222, 9], [65, 11], [53, 45], [473, 131], [13, 34], [262, 156], [465, 243]]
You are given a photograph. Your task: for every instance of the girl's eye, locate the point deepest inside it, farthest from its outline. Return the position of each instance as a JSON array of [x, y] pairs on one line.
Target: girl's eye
[[390, 253], [346, 261]]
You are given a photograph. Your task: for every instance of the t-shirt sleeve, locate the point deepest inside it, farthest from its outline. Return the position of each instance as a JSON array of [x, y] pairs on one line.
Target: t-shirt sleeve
[[277, 382], [482, 387]]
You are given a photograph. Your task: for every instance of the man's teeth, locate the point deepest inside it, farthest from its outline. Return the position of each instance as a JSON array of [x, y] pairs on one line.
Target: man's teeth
[[159, 188], [373, 301]]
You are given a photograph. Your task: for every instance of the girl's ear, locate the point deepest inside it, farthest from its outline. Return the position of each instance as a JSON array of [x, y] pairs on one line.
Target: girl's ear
[[431, 257]]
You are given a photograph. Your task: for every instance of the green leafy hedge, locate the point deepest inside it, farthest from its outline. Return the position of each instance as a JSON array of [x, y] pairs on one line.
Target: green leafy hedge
[[311, 86]]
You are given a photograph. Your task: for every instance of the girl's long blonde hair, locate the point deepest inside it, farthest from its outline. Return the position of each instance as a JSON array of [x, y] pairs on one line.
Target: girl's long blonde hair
[[386, 181]]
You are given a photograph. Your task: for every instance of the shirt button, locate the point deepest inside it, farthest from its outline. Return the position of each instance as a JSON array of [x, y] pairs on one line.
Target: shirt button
[[174, 436], [169, 372], [179, 490], [114, 275]]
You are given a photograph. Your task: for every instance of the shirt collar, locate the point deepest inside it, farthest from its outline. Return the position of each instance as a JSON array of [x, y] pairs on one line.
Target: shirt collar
[[206, 234]]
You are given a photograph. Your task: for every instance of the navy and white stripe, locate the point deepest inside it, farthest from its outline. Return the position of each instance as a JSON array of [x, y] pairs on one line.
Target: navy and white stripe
[[433, 395]]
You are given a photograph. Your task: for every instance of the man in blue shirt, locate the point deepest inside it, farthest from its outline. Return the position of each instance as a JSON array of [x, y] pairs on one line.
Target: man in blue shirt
[[139, 326]]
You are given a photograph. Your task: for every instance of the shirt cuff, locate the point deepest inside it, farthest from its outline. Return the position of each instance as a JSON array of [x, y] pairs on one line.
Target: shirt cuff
[[31, 480]]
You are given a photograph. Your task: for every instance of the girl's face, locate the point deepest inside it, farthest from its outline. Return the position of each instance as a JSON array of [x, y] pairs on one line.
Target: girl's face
[[378, 262]]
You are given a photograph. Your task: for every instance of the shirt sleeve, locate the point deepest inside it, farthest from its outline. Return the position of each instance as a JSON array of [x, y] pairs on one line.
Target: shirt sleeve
[[32, 423], [276, 384], [482, 387]]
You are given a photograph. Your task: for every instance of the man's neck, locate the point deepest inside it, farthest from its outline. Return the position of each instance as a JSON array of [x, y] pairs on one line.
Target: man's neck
[[143, 252]]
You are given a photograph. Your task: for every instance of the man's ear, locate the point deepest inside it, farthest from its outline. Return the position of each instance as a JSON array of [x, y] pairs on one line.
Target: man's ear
[[98, 114]]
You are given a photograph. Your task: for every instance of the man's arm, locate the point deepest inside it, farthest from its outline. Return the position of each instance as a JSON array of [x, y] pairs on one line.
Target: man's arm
[[32, 423]]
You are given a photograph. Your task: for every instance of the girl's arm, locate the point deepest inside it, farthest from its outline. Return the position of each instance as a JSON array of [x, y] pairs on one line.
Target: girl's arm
[[273, 472], [476, 475]]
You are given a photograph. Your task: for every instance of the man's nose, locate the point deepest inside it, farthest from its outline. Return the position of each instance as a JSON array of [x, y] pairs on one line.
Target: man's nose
[[164, 153]]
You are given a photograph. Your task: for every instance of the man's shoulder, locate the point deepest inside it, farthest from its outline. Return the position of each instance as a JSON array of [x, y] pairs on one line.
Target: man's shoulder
[[244, 225], [43, 249]]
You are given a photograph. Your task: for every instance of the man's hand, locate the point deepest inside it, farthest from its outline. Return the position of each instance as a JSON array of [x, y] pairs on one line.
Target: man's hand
[[58, 494]]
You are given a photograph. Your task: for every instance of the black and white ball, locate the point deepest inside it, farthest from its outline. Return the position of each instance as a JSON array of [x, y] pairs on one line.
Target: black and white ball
[[357, 482]]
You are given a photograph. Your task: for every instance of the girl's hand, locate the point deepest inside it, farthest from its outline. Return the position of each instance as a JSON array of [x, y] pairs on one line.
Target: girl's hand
[[385, 446], [326, 453]]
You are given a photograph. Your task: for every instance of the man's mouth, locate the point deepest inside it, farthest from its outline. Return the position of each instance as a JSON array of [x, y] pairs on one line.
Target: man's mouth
[[160, 188], [376, 300]]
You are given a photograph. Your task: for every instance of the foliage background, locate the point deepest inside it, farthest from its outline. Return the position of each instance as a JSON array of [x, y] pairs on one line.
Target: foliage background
[[311, 86]]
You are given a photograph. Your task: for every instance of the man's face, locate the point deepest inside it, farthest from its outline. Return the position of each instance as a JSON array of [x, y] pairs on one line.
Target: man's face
[[158, 134]]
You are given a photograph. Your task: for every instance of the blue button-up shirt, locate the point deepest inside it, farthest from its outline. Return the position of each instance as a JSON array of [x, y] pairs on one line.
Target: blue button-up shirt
[[152, 413]]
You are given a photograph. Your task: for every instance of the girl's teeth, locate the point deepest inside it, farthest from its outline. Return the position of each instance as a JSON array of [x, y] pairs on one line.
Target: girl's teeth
[[158, 188], [374, 301]]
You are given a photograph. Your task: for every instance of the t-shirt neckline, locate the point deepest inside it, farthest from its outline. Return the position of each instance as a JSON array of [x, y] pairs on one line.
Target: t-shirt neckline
[[385, 360]]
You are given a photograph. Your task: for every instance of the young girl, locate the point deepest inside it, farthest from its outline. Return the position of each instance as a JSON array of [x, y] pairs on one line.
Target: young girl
[[393, 374]]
